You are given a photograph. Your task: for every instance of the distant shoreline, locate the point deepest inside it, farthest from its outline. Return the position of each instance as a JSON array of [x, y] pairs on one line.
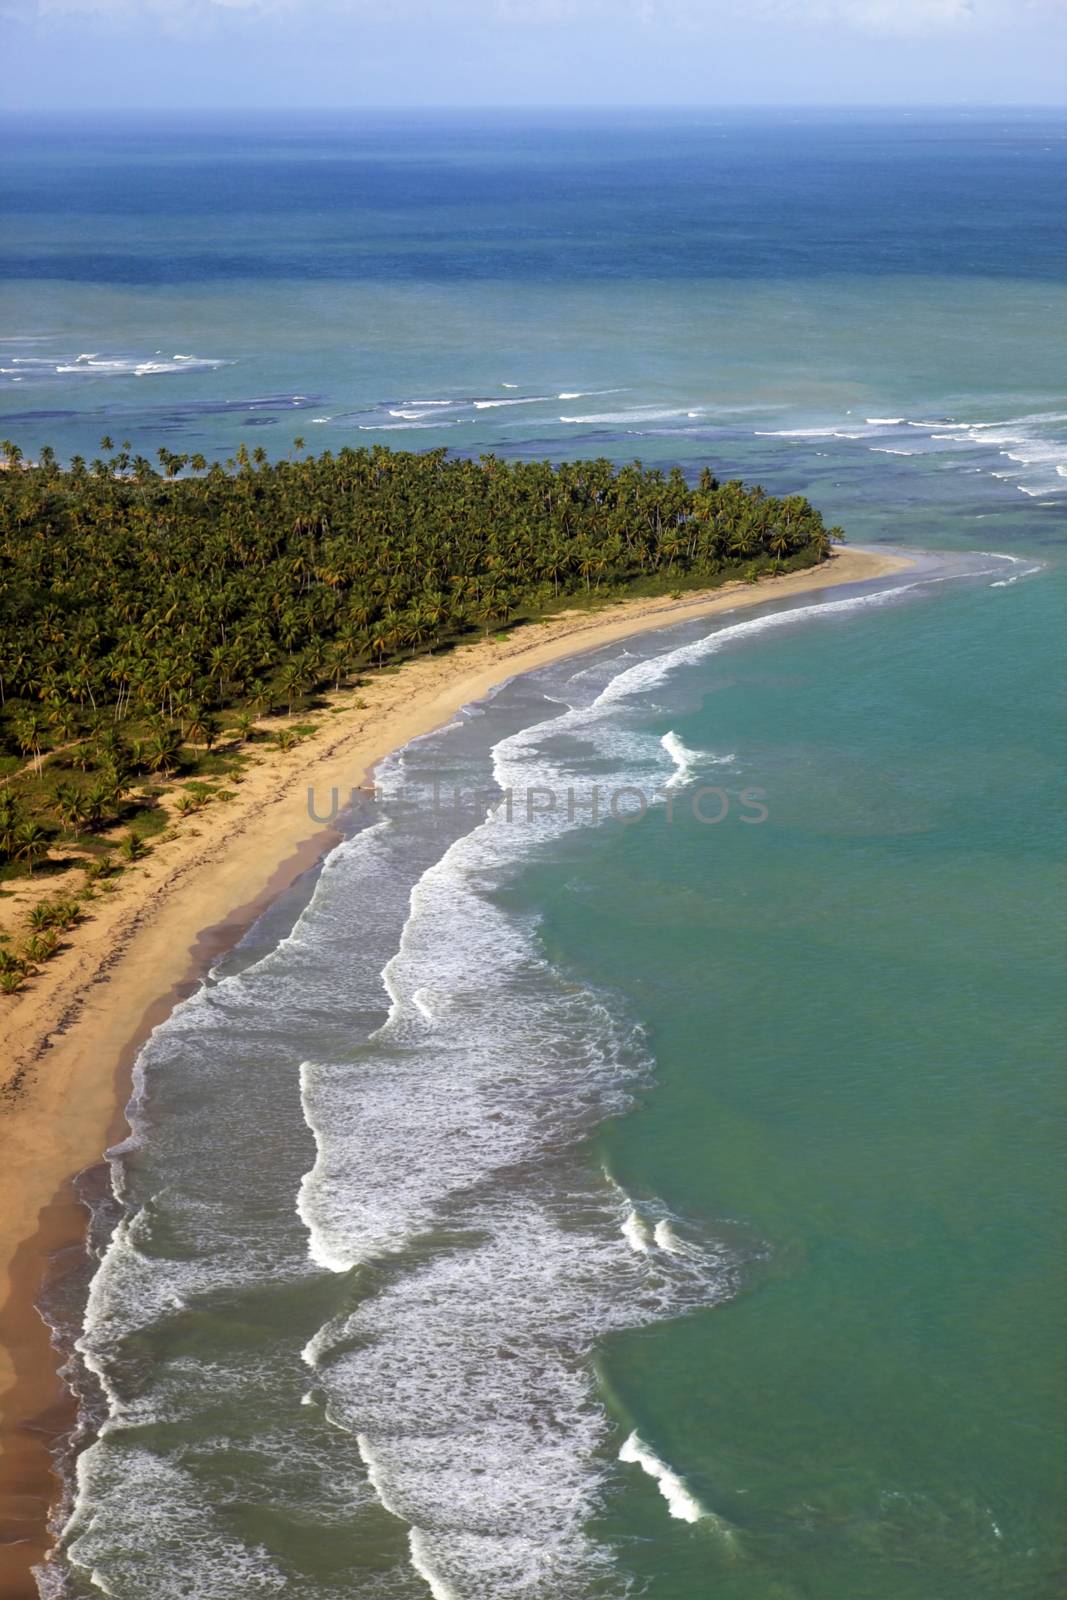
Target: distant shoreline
[[70, 1038]]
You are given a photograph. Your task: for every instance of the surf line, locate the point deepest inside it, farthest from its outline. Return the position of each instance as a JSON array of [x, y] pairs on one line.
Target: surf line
[[419, 1556]]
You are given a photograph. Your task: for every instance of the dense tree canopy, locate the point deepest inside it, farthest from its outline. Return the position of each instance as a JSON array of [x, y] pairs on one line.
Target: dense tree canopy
[[141, 602]]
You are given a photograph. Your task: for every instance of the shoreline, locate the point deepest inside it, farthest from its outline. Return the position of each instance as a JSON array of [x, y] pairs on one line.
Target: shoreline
[[70, 1038]]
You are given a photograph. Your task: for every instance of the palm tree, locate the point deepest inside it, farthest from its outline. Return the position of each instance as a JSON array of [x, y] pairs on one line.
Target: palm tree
[[132, 847], [10, 818], [259, 696], [31, 844], [197, 725], [779, 545], [292, 683], [163, 750], [100, 802], [30, 729], [69, 804], [742, 542]]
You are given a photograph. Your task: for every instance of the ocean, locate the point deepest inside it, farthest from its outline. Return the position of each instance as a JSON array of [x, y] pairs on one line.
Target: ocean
[[632, 1165]]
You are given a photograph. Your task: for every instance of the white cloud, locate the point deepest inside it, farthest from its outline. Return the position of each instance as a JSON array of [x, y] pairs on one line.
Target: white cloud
[[884, 16], [914, 18]]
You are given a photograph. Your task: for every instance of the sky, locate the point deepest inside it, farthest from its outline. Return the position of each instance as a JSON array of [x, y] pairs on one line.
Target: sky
[[217, 54]]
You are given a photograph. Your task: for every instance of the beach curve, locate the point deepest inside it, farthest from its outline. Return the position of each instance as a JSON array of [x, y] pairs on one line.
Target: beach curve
[[71, 1036]]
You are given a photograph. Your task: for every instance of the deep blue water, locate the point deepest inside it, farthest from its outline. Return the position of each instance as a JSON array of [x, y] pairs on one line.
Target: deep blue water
[[559, 200]]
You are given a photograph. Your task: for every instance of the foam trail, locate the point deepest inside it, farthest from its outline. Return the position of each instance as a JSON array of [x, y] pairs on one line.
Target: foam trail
[[421, 1562], [681, 1502], [1016, 561], [374, 1475], [319, 1247]]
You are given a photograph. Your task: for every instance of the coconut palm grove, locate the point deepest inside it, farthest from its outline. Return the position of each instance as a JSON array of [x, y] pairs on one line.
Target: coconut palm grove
[[152, 619]]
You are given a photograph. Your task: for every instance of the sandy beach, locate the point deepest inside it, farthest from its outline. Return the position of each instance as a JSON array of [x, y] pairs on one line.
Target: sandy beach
[[69, 1038]]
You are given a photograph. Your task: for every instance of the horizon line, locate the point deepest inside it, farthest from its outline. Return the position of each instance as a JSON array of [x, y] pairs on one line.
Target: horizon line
[[956, 107]]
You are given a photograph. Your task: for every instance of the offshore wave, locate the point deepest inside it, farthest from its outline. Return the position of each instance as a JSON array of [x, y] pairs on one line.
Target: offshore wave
[[633, 415], [686, 761], [681, 1502], [93, 364], [1035, 443]]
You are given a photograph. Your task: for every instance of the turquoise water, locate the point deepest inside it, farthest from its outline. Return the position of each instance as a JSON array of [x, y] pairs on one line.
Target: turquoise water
[[857, 1017], [539, 1209]]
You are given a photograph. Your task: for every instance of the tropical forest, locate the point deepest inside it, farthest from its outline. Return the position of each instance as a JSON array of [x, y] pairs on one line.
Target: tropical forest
[[154, 619]]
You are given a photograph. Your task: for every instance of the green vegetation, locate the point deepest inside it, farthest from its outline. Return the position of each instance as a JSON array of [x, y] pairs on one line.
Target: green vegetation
[[149, 620]]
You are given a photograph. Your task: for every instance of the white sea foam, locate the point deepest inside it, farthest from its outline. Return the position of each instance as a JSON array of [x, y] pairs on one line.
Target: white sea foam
[[811, 433], [446, 1056], [681, 1502], [666, 1238], [522, 400], [478, 1357], [794, 433], [635, 1231], [625, 418], [487, 1068], [886, 422], [448, 1045], [90, 364], [154, 1505], [685, 760], [420, 1561], [405, 427], [375, 1476], [1034, 443]]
